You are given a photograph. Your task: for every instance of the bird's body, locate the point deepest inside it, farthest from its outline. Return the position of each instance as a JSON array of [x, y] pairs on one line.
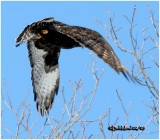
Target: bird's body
[[45, 76], [45, 39]]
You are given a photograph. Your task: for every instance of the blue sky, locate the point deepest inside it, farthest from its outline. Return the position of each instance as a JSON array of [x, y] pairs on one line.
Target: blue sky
[[17, 72]]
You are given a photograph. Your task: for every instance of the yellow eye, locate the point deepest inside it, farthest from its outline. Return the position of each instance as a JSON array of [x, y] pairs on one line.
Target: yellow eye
[[38, 36], [45, 31]]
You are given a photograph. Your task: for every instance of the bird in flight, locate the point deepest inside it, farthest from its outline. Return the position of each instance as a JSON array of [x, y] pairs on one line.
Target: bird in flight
[[45, 39]]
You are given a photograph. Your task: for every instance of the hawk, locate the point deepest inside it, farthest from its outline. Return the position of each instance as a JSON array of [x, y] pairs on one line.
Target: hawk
[[45, 39]]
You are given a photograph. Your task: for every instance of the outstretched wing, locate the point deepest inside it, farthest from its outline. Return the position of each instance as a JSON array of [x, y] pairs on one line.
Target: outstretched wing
[[45, 38], [93, 41], [45, 76]]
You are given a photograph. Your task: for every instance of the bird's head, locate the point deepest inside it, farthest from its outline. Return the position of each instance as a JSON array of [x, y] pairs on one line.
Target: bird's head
[[32, 31]]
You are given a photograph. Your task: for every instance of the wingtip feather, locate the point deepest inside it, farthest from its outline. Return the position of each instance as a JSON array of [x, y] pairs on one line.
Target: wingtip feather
[[128, 76]]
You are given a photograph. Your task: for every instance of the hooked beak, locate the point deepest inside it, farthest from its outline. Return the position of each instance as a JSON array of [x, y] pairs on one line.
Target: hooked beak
[[19, 43], [23, 39]]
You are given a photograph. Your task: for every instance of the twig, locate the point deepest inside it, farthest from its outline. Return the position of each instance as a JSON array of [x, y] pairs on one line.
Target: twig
[[20, 122]]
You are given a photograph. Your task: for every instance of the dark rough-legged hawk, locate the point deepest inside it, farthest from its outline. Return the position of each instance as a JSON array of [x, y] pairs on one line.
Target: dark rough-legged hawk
[[45, 39]]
